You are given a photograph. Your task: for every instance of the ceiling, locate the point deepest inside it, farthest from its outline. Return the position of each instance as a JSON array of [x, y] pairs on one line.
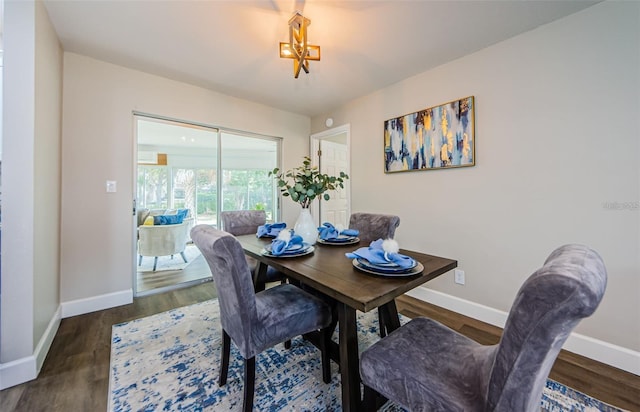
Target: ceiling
[[232, 46]]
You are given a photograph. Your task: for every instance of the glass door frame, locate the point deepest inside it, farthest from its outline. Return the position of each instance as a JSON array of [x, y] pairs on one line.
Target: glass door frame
[[136, 115]]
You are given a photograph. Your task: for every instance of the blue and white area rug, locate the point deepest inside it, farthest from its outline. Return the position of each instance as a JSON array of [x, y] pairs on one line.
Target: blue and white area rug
[[170, 362]]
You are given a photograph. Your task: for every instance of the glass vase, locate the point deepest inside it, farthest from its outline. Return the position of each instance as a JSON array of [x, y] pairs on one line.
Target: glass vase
[[306, 227]]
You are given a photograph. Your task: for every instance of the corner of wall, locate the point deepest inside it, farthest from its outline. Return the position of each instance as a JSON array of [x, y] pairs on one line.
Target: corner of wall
[[27, 368], [18, 371]]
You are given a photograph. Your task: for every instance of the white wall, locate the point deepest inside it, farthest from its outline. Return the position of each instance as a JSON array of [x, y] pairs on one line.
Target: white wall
[[48, 128], [31, 198], [97, 237], [17, 191], [557, 138]]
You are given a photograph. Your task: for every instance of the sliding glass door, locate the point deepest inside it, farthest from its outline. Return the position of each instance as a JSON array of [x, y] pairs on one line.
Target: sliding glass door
[[205, 170], [246, 162]]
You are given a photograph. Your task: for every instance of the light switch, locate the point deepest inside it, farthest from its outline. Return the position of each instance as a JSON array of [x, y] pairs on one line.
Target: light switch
[[111, 186]]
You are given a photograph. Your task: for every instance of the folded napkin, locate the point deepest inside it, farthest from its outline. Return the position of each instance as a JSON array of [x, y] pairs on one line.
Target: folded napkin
[[327, 231], [376, 255], [285, 241], [270, 229]]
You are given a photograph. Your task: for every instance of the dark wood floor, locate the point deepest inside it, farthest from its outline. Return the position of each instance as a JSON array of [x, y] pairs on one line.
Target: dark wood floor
[[75, 375]]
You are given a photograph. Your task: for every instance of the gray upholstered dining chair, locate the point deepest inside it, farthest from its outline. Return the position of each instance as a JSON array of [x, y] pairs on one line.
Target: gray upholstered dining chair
[[425, 366], [246, 222], [374, 226], [257, 321]]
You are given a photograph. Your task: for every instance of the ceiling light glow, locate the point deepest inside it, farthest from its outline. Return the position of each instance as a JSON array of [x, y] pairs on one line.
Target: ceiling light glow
[[298, 48]]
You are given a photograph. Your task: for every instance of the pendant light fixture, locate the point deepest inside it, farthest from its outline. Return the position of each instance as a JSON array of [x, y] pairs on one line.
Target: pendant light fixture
[[298, 48]]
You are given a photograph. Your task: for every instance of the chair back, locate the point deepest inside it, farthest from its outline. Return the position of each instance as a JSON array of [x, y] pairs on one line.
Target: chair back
[[242, 222], [373, 226], [232, 277], [548, 306]]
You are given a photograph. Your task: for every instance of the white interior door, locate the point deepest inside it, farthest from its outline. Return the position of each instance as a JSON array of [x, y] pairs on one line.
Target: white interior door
[[330, 151], [333, 160]]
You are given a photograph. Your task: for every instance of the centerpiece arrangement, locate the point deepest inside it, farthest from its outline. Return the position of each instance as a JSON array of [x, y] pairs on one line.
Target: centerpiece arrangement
[[303, 184]]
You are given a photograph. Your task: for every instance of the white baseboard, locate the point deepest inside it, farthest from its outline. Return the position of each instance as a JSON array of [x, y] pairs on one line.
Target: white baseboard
[[18, 371], [613, 355], [95, 303], [47, 339], [27, 368]]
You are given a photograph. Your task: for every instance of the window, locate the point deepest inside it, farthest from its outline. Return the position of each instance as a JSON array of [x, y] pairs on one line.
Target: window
[[246, 163], [153, 183], [204, 169]]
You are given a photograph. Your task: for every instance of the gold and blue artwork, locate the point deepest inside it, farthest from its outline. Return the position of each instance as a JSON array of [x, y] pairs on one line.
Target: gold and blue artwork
[[439, 137]]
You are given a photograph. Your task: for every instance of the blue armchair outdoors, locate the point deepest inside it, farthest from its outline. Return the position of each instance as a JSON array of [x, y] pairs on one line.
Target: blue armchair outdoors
[[328, 231]]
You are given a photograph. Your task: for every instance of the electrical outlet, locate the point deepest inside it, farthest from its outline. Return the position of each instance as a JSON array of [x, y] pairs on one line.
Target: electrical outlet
[[458, 276]]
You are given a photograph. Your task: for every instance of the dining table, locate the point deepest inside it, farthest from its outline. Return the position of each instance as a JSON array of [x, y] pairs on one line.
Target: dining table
[[326, 270]]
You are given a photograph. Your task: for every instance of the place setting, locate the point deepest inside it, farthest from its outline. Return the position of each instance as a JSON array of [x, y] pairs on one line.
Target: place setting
[[270, 230], [328, 234], [287, 244], [382, 258]]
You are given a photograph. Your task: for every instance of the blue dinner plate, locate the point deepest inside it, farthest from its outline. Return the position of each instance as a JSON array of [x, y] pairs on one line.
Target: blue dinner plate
[[404, 273], [341, 242], [385, 267], [293, 250], [340, 239]]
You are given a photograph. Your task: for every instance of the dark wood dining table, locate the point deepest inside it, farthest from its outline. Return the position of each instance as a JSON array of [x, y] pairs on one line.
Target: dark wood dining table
[[328, 271]]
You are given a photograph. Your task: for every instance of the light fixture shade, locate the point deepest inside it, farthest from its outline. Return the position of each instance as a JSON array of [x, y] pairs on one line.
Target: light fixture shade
[[298, 48]]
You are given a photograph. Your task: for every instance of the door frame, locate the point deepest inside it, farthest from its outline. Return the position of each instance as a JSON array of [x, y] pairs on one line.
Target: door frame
[[314, 145]]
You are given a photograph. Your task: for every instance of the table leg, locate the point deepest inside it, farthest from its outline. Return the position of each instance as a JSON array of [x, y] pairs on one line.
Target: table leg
[[349, 358], [389, 313], [258, 277]]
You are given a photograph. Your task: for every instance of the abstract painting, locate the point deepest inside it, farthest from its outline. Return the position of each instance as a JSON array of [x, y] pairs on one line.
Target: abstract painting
[[439, 137]]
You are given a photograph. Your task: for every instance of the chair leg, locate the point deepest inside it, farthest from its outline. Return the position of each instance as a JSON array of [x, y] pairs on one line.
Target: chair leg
[[249, 383], [287, 344], [369, 399], [325, 339], [183, 257], [226, 350], [155, 263]]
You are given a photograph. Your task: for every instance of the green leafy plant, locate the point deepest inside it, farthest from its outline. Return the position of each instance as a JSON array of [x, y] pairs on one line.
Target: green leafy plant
[[304, 183]]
